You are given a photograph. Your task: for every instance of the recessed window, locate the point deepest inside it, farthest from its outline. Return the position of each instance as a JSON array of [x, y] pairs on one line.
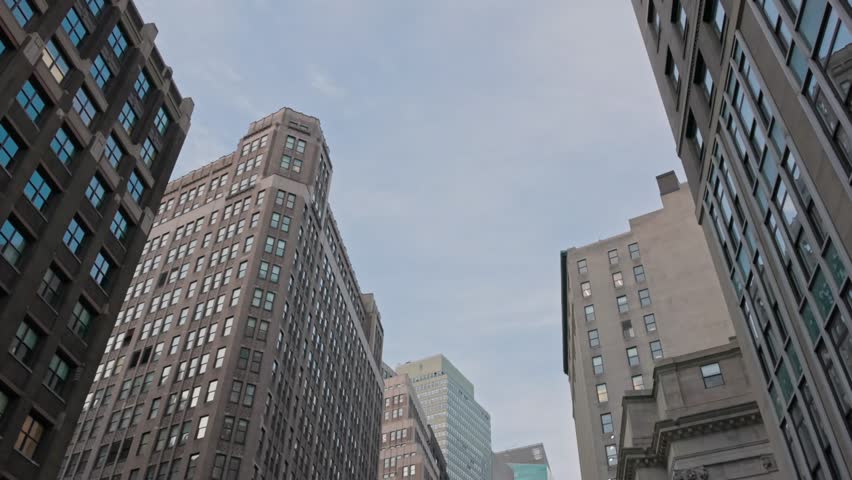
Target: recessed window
[[656, 350], [30, 436], [291, 142], [58, 372], [31, 100], [611, 455], [75, 235], [693, 133], [100, 71], [633, 356], [606, 423], [715, 14], [623, 306], [586, 287], [96, 192], [113, 151], [627, 330], [633, 248], [52, 286], [582, 266], [672, 72], [119, 226], [55, 61], [117, 41], [589, 311], [101, 269], [617, 280], [639, 273], [127, 117], [703, 77], [84, 107], [141, 85], [12, 242], [63, 145], [135, 187], [679, 16], [81, 319], [638, 382], [22, 10], [38, 190], [597, 365], [594, 339], [613, 257], [162, 120], [25, 343], [712, 375], [74, 27], [645, 297], [654, 18], [300, 146], [149, 152], [8, 146], [601, 391], [650, 323]]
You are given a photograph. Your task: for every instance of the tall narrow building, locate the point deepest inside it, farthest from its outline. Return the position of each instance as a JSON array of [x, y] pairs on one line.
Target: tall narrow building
[[757, 95], [90, 128], [628, 302], [409, 448], [461, 425], [245, 348]]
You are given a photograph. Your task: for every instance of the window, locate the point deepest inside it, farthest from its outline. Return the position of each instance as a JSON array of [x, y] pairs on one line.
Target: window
[[715, 14], [74, 236], [135, 187], [8, 146], [162, 120], [656, 350], [29, 436], [55, 61], [84, 107], [113, 151], [627, 329], [117, 41], [127, 117], [633, 248], [611, 455], [141, 85], [100, 71], [30, 99], [586, 287], [594, 339], [95, 6], [623, 306], [202, 427], [712, 375], [703, 77], [645, 297], [650, 323], [606, 423], [25, 342], [300, 146], [291, 142], [633, 356], [638, 382], [297, 165], [22, 10], [51, 285], [74, 27], [95, 192], [613, 257], [57, 374], [81, 319], [602, 395], [100, 269], [211, 391], [617, 280], [597, 365], [240, 433], [672, 72], [12, 242], [119, 226], [38, 190], [63, 145], [149, 152], [582, 266], [694, 133], [639, 273]]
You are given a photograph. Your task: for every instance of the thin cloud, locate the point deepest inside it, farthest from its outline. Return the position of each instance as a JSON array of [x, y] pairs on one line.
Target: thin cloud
[[323, 84]]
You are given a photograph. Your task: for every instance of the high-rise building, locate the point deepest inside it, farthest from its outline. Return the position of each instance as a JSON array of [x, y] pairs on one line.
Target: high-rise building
[[90, 128], [524, 463], [245, 348], [409, 448], [461, 425], [757, 96], [629, 301]]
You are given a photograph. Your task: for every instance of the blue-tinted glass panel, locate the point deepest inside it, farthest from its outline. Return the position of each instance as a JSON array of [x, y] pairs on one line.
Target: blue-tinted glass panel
[[135, 187], [119, 225], [95, 6], [31, 100], [117, 41], [100, 71], [38, 190], [127, 117], [12, 242], [162, 121], [21, 10], [96, 192], [8, 146], [74, 236], [63, 145], [84, 107], [74, 27], [113, 151], [142, 85], [55, 61], [149, 152], [100, 269]]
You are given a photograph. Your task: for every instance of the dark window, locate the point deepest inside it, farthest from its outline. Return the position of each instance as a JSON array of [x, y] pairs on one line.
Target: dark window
[[58, 372], [627, 329], [712, 375], [52, 286], [25, 343], [693, 133], [75, 235], [241, 431], [703, 77], [715, 14], [654, 17], [8, 145], [672, 72], [30, 436], [12, 242]]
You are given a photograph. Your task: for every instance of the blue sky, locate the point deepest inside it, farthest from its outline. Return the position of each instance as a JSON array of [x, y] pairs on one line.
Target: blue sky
[[472, 140]]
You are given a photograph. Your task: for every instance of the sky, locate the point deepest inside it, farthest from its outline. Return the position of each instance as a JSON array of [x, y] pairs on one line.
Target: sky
[[471, 141]]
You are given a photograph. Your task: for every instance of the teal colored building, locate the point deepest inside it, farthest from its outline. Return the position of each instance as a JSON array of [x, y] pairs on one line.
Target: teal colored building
[[525, 463]]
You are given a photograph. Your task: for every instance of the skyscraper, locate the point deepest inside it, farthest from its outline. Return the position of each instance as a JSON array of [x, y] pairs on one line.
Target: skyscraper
[[628, 302], [409, 448], [757, 95], [524, 463], [90, 128], [245, 348], [462, 426]]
